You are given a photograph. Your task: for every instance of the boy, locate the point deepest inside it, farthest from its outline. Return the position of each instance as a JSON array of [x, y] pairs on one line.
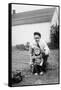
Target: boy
[[41, 52]]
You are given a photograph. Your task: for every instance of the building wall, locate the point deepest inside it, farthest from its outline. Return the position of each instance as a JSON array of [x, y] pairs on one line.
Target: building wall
[[23, 33]]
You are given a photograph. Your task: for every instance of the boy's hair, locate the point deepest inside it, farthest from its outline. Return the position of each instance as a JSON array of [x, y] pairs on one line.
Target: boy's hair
[[37, 33]]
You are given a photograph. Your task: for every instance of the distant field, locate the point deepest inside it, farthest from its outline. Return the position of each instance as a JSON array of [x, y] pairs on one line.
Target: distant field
[[20, 61]]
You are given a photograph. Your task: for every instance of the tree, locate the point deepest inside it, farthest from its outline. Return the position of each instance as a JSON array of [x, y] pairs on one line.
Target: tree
[[54, 36]]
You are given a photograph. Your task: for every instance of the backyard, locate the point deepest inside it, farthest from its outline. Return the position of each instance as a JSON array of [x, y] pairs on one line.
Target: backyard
[[20, 63]]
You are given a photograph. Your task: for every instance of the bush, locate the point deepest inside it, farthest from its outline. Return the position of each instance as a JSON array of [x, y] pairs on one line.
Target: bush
[[54, 36], [20, 47]]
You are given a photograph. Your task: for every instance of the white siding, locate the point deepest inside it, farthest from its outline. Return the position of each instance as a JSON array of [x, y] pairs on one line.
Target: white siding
[[24, 33]]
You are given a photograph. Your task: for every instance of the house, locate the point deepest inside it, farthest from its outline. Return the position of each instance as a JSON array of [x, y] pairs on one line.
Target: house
[[24, 24]]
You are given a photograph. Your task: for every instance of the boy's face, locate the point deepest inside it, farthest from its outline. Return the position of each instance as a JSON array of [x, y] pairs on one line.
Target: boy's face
[[37, 38]]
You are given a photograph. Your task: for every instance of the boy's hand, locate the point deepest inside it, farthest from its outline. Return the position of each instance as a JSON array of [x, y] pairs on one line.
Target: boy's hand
[[41, 63]]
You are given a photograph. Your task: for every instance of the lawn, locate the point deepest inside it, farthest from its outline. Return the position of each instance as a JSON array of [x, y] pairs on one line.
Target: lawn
[[20, 62]]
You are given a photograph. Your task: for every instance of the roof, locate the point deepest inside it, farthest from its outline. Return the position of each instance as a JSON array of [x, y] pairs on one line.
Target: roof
[[31, 17]]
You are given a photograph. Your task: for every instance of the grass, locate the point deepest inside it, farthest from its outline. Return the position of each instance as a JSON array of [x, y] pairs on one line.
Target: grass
[[20, 62]]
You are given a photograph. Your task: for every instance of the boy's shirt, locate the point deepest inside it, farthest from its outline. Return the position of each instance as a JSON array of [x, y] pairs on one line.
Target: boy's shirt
[[43, 46]]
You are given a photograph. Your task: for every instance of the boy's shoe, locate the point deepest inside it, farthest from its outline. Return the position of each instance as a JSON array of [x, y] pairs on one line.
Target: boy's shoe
[[41, 73], [36, 73]]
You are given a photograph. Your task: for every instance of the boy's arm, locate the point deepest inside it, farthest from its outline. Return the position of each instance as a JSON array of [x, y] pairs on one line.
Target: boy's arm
[[30, 53]]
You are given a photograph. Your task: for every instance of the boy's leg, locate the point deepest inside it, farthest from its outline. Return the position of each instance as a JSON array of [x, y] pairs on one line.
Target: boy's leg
[[37, 69]]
